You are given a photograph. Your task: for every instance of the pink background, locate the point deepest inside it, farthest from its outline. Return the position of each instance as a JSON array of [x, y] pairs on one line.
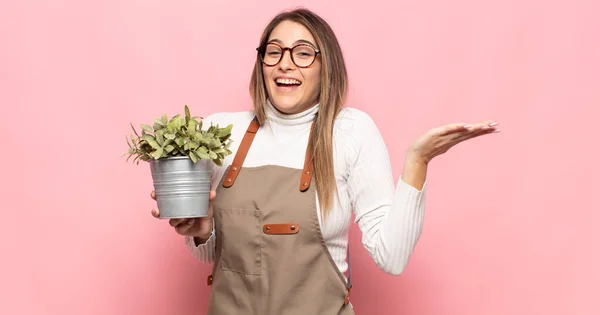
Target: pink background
[[512, 218]]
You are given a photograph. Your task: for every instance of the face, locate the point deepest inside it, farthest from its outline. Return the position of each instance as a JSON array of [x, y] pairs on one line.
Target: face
[[292, 89]]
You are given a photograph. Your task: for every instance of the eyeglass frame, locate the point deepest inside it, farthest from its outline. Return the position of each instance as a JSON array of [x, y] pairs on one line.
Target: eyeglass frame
[[261, 50]]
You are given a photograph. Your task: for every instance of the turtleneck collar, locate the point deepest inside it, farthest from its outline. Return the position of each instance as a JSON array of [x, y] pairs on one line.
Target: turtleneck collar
[[301, 118]]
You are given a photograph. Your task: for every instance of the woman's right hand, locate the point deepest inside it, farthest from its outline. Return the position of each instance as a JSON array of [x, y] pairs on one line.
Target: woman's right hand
[[199, 228]]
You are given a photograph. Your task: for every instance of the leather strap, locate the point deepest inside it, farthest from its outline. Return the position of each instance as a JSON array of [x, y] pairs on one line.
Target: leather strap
[[242, 151], [281, 229], [349, 282], [308, 165]]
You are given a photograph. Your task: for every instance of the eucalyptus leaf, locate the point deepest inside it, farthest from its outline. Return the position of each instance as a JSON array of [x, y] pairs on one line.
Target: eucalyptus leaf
[[159, 138], [157, 154], [151, 141], [225, 138], [191, 125], [147, 128], [187, 114], [170, 136], [213, 144], [224, 132], [202, 155]]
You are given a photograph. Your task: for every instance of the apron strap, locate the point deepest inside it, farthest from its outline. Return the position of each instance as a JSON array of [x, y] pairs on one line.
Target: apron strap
[[240, 156], [349, 282], [308, 165], [242, 151]]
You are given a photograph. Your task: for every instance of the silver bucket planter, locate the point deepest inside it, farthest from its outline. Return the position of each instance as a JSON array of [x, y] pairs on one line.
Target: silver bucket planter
[[182, 187]]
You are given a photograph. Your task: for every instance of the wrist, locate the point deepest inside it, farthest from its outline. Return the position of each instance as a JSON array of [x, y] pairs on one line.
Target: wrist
[[415, 170], [202, 231], [415, 158]]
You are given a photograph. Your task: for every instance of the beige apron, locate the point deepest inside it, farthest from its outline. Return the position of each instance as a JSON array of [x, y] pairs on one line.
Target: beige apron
[[270, 255]]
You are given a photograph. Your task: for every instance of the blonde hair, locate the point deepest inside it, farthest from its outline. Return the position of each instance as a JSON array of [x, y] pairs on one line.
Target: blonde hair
[[334, 88]]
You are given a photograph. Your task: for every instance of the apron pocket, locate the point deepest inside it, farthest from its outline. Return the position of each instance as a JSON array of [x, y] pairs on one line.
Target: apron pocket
[[241, 240]]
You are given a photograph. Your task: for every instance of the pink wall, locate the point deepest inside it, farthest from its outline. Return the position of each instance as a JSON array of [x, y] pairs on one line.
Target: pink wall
[[512, 219]]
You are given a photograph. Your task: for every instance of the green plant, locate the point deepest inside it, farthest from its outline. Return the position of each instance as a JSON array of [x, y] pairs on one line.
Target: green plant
[[179, 136]]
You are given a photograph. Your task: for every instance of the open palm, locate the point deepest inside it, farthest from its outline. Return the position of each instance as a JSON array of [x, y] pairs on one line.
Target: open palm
[[440, 139]]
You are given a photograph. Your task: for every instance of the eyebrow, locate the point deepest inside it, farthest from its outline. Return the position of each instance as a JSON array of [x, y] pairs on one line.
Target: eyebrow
[[300, 41]]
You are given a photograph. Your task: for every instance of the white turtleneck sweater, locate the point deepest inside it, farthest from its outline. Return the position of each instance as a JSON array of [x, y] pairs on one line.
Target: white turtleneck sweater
[[390, 217]]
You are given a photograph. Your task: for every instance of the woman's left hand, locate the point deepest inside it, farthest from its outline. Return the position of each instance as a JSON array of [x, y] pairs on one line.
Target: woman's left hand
[[439, 140]]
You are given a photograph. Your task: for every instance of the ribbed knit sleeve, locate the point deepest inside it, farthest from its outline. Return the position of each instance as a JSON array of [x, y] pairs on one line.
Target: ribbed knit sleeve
[[203, 252], [389, 216]]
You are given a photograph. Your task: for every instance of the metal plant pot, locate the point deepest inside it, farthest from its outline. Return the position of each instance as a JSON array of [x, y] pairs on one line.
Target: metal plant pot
[[182, 187]]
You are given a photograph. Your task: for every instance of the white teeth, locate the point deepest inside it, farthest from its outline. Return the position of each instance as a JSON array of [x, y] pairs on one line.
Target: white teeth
[[287, 81]]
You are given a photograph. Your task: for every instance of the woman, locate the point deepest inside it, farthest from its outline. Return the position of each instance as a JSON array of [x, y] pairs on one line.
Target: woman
[[283, 202]]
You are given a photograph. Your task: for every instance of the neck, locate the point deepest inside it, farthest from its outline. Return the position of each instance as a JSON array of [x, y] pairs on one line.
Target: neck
[[305, 117]]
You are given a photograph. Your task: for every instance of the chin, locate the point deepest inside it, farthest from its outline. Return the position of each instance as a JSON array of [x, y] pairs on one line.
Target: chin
[[287, 106]]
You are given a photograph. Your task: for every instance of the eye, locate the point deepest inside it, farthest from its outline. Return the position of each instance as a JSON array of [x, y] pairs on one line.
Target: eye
[[304, 51]]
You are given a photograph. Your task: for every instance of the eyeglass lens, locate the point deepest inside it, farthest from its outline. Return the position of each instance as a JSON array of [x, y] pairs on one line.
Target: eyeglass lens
[[302, 55]]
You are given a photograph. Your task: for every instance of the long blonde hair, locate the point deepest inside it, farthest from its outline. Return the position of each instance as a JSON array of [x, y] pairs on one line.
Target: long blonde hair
[[334, 88]]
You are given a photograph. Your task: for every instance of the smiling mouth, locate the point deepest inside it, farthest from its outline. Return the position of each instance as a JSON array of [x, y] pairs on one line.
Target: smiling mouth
[[287, 82]]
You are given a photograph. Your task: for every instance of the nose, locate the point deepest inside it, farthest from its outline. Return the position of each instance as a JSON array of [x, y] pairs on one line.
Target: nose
[[286, 62]]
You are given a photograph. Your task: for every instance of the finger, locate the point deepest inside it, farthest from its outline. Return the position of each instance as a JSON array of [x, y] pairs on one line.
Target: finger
[[457, 138], [212, 196], [155, 213], [472, 130], [176, 222], [184, 228], [487, 131], [485, 128], [488, 124], [453, 128], [153, 195], [473, 134]]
